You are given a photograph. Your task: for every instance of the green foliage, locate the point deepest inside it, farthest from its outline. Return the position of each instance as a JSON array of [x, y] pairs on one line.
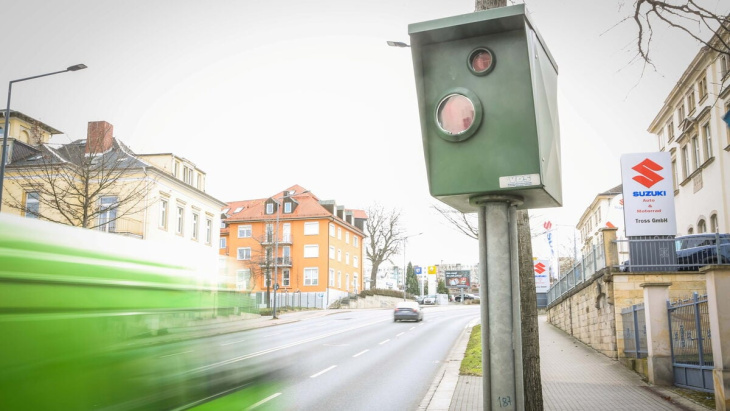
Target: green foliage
[[441, 288], [384, 292], [472, 362], [411, 281]]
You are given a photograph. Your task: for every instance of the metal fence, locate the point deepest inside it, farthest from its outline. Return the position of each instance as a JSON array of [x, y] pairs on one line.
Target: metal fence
[[584, 268], [634, 330], [667, 253], [294, 300], [689, 330]]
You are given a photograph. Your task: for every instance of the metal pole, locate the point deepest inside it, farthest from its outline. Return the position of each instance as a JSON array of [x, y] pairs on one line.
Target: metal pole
[[405, 269], [501, 322], [276, 265], [7, 119]]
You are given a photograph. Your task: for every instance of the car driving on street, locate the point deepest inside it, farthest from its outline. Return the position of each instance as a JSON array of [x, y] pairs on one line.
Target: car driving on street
[[407, 310]]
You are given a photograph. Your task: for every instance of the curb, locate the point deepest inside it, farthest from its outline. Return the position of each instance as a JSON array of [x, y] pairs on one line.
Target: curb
[[441, 392]]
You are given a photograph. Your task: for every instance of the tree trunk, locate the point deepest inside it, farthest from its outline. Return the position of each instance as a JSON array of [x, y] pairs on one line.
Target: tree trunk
[[528, 297], [528, 305]]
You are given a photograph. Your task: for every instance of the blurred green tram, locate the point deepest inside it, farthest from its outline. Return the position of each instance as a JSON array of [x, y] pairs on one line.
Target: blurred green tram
[[91, 321]]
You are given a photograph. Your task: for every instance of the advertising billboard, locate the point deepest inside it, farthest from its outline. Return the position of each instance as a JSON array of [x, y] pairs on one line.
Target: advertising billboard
[[457, 279], [542, 275], [648, 194]]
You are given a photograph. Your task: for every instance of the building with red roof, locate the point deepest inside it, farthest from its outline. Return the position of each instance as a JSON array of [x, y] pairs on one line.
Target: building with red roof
[[311, 249]]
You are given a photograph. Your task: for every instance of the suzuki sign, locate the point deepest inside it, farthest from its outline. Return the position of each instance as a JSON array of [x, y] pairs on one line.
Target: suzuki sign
[[648, 192]]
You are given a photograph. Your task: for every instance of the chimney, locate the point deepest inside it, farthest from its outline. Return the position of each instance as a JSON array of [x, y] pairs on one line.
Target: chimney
[[99, 137]]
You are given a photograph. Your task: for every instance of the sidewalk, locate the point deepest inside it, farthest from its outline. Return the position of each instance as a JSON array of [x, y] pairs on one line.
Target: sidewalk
[[574, 377]]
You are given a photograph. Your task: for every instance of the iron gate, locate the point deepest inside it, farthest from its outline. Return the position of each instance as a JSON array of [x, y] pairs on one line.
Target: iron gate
[[689, 328]]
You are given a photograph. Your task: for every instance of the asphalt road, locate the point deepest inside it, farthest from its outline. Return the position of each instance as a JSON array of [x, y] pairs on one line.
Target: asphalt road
[[357, 360]]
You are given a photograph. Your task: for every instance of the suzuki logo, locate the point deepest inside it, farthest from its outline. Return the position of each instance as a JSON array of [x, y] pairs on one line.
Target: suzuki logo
[[647, 169], [539, 268]]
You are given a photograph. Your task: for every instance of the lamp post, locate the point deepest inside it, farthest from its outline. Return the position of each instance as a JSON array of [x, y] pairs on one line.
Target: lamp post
[[7, 120], [405, 266]]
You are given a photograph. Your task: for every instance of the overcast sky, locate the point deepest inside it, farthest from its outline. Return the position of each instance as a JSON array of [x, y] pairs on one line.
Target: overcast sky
[[262, 95]]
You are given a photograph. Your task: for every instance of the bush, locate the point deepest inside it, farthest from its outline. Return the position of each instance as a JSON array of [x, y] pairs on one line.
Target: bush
[[472, 362]]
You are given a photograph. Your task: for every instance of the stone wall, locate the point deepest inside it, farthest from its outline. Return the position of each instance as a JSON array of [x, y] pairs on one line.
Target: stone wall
[[587, 314], [373, 301]]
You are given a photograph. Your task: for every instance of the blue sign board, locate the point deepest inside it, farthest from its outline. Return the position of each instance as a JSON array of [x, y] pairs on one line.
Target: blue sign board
[[417, 270]]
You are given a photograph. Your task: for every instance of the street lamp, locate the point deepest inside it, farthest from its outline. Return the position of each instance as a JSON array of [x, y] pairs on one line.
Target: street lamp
[[7, 120], [405, 266], [397, 44]]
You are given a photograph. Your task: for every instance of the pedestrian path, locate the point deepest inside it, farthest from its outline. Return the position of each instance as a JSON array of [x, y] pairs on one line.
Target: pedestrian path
[[576, 377]]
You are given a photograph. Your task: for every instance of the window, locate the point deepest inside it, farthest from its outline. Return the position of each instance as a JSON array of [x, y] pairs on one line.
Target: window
[[269, 208], [696, 150], [196, 218], [208, 231], [713, 223], [286, 233], [286, 255], [702, 87], [185, 174], [244, 231], [339, 233], [244, 253], [311, 276], [685, 160], [670, 131], [269, 233], [108, 213], [163, 214], [347, 258], [680, 113], [332, 230], [347, 237], [701, 227], [285, 278], [708, 140], [339, 255], [724, 64], [287, 207], [223, 242], [311, 228], [32, 204], [332, 252], [243, 279], [355, 262], [690, 230], [691, 100], [331, 279], [339, 279], [674, 174], [175, 168], [311, 251], [355, 241], [237, 210], [180, 220]]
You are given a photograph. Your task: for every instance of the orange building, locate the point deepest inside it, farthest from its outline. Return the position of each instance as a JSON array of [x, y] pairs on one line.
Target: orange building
[[311, 249]]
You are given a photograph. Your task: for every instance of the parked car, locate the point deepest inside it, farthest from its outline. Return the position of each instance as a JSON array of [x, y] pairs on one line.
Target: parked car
[[429, 300], [407, 310], [419, 299], [698, 250], [467, 297]]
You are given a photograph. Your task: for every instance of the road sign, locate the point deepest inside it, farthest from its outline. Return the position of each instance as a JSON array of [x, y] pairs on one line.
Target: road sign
[[417, 270]]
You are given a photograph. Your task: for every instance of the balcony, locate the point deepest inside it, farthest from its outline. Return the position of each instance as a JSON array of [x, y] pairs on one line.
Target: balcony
[[124, 226], [280, 262], [269, 239]]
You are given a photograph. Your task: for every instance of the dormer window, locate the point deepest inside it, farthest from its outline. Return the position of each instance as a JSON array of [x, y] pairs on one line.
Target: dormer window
[[269, 208], [287, 207]]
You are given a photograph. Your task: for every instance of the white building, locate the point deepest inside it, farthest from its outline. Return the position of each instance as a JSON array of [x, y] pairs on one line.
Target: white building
[[606, 211], [690, 127]]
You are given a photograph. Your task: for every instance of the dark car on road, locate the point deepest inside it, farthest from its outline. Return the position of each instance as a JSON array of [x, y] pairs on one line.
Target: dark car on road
[[407, 310], [698, 250], [467, 297]]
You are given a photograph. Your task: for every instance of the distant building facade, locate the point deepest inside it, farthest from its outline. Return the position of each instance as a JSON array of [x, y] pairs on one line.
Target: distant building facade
[[293, 240], [690, 127], [605, 211], [157, 197]]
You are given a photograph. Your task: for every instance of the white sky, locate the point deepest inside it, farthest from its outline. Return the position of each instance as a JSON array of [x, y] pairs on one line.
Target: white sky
[[262, 95]]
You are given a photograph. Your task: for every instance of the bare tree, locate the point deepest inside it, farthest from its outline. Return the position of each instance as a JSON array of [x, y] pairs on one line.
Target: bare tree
[[466, 223], [689, 17], [384, 236], [77, 184]]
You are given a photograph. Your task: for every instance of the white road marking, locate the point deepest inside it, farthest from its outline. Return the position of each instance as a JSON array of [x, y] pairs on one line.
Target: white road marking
[[232, 342], [360, 353], [265, 400], [177, 353], [399, 334], [383, 342], [322, 372]]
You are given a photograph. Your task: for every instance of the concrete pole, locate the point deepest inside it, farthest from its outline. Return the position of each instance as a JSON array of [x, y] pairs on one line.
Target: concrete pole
[[658, 340], [718, 305], [501, 330]]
